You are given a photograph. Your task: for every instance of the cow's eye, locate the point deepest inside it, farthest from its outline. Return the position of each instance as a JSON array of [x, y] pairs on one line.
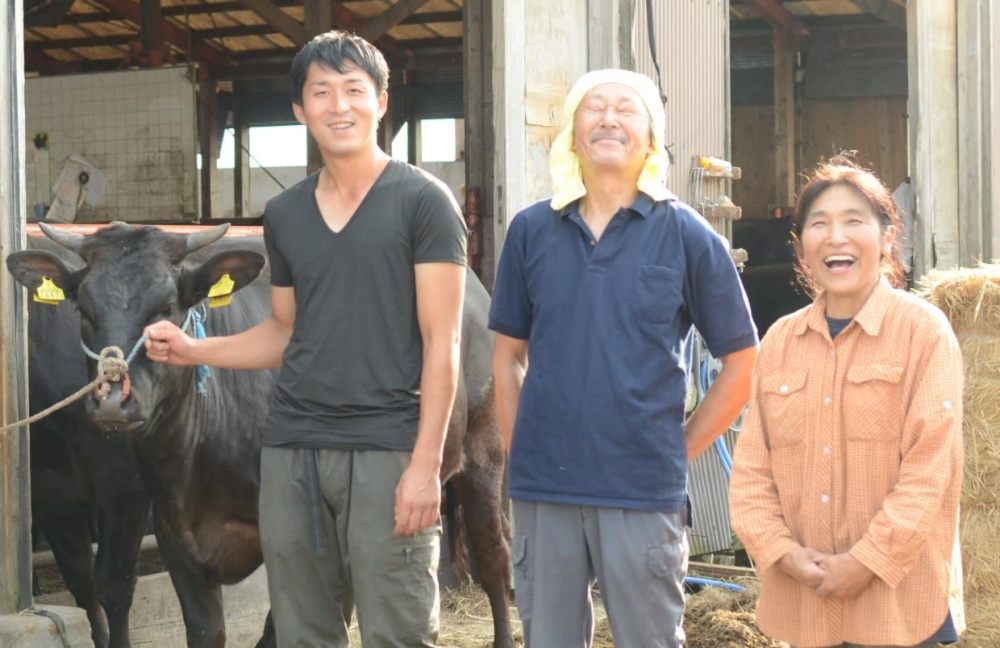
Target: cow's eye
[[166, 311]]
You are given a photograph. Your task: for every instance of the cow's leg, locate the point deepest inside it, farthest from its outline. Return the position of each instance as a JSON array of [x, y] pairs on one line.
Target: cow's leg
[[122, 521], [200, 599], [479, 489], [70, 544]]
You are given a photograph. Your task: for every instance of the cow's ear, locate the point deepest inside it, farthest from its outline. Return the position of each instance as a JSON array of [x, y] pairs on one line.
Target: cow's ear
[[31, 267], [242, 266]]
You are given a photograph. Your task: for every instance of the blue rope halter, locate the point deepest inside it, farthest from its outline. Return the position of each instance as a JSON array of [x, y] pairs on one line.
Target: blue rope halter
[[195, 320]]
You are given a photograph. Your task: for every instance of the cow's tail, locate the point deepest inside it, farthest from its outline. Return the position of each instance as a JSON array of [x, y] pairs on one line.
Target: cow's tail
[[458, 551]]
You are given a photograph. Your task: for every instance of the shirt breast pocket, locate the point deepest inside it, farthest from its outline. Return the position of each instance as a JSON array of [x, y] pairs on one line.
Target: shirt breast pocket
[[873, 400], [657, 293], [783, 411]]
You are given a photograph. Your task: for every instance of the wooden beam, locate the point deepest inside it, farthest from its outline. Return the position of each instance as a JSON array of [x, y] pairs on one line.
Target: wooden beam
[[823, 38], [887, 10], [172, 33], [36, 59], [274, 16], [181, 10], [151, 33], [70, 43], [779, 17], [382, 23], [318, 16], [784, 122], [350, 21]]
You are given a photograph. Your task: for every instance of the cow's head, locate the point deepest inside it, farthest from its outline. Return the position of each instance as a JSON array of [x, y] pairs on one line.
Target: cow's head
[[133, 276]]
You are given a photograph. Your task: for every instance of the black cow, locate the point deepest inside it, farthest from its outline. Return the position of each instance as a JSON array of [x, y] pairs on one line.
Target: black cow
[[199, 454], [83, 483]]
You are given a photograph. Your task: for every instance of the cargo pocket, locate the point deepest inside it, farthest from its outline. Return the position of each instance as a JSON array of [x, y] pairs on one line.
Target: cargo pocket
[[882, 420], [409, 584], [782, 408]]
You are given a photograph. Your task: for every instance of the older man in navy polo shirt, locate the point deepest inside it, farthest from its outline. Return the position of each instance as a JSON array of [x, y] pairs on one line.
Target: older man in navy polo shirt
[[602, 286]]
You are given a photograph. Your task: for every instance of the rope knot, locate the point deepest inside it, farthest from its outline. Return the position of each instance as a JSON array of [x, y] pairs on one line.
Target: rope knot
[[111, 367]]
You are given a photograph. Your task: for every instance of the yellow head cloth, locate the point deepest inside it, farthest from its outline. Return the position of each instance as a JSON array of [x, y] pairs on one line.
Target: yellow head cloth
[[567, 180]]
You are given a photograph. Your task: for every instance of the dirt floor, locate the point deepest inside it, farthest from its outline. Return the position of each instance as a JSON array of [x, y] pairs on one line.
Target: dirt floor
[[714, 618]]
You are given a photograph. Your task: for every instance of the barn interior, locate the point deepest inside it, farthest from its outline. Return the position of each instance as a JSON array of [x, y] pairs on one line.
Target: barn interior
[[144, 89]]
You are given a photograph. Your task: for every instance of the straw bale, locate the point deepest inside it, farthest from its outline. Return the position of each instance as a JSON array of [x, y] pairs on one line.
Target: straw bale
[[980, 528], [981, 425], [970, 297], [981, 353]]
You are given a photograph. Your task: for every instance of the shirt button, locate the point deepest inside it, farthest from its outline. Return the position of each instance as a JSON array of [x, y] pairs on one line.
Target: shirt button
[[946, 405], [783, 389], [824, 499], [593, 242], [832, 353], [826, 450], [827, 400]]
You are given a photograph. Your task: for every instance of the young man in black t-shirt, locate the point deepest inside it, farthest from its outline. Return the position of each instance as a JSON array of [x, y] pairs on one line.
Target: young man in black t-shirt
[[368, 272]]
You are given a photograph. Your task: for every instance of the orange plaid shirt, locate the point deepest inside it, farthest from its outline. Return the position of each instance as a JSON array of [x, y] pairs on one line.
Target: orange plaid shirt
[[855, 445]]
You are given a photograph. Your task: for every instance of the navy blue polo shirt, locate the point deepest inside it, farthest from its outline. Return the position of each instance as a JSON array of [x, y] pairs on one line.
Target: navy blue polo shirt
[[609, 331]]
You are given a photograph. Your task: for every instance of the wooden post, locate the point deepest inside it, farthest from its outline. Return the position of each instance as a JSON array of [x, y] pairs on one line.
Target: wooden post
[[993, 118], [151, 33], [386, 128], [609, 35], [977, 120], [931, 44], [508, 75], [412, 121], [208, 131], [479, 163], [241, 158], [318, 19], [784, 120], [15, 508]]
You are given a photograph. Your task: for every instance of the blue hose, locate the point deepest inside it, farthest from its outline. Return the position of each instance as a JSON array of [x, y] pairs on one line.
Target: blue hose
[[694, 580]]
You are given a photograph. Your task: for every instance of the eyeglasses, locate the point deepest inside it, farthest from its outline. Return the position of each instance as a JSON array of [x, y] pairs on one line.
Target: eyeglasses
[[626, 112]]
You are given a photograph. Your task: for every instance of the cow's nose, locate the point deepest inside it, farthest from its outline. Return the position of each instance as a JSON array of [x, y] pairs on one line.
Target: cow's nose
[[113, 410]]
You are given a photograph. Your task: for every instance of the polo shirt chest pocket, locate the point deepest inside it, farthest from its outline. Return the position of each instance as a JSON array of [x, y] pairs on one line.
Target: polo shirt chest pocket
[[873, 402], [782, 407], [657, 294]]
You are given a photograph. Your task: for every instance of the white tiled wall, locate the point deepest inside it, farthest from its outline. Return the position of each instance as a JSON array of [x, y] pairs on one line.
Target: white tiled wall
[[138, 127]]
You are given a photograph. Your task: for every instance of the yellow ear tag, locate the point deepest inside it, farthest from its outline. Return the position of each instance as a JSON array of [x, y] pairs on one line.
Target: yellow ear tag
[[49, 293], [221, 293]]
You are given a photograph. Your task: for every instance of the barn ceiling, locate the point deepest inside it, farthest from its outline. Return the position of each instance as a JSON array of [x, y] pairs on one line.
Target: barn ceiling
[[247, 38], [226, 37]]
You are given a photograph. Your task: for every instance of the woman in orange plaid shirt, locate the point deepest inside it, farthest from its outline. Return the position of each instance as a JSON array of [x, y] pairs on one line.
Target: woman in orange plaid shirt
[[847, 474]]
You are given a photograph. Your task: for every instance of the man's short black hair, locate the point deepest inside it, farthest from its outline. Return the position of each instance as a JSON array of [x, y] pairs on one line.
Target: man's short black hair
[[340, 51]]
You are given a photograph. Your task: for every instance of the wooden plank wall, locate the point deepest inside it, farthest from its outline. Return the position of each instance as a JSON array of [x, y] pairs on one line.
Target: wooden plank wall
[[873, 126]]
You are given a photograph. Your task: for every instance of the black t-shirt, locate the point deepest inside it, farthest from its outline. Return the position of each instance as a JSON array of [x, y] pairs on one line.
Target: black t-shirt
[[350, 376]]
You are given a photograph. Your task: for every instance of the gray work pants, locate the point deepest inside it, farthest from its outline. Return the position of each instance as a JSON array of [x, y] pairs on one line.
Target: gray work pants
[[332, 547], [638, 559]]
